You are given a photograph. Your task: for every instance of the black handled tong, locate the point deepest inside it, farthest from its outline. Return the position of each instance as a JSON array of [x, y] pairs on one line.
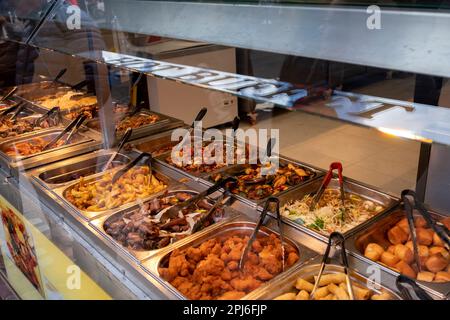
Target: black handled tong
[[245, 252], [339, 240], [133, 163]]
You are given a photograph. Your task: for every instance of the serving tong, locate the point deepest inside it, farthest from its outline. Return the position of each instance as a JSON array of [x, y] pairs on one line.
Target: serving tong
[[132, 164], [122, 142], [420, 293], [55, 111], [248, 246], [326, 181], [72, 127], [17, 106], [442, 232], [9, 93], [340, 240], [173, 211], [221, 201]]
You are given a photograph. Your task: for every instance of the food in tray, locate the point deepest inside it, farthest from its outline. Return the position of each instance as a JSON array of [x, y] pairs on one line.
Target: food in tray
[[67, 100], [141, 229], [136, 121], [35, 145], [91, 111], [395, 251], [329, 215], [137, 183], [205, 161], [332, 286], [12, 128], [211, 270], [285, 177]]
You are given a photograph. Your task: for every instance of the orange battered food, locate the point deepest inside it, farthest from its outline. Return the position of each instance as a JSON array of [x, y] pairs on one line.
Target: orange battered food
[[211, 271]]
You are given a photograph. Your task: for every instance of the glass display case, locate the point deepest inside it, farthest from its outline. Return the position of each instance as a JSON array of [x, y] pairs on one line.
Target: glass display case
[[98, 98]]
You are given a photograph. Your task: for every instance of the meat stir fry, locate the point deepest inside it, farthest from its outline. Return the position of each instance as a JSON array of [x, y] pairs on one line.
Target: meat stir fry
[[33, 146], [142, 230], [206, 161], [211, 271], [13, 128], [137, 183], [267, 185], [91, 111], [136, 121]]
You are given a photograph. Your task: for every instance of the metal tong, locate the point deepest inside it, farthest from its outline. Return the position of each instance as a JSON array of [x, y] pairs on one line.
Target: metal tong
[[72, 127], [420, 293], [9, 93], [442, 232], [48, 114], [339, 241], [326, 181], [122, 142], [252, 239], [172, 212], [133, 163], [221, 201], [13, 108]]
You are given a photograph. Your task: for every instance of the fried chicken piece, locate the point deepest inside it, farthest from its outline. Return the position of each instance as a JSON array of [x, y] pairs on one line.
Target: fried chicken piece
[[291, 259], [269, 260], [212, 265], [232, 295], [194, 254], [245, 283]]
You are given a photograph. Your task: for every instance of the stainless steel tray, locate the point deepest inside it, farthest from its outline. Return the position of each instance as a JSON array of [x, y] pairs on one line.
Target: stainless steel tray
[[164, 123], [376, 233], [65, 172], [283, 161], [141, 255], [240, 225], [35, 90], [286, 282], [46, 135], [88, 215], [15, 165]]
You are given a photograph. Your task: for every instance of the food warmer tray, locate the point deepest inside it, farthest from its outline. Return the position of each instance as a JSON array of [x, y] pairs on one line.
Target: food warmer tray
[[29, 91], [59, 174], [164, 123], [88, 215], [241, 224], [156, 144], [297, 193], [285, 283], [90, 141], [227, 171], [357, 243], [140, 255]]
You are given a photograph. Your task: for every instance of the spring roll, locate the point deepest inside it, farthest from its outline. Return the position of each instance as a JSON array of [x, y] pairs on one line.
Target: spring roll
[[286, 296], [321, 292], [302, 284], [302, 295], [326, 279]]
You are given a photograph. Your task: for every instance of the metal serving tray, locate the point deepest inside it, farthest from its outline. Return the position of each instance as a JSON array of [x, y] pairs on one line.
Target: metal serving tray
[[257, 203], [240, 225], [164, 123], [46, 135], [141, 255], [36, 90], [63, 173], [376, 233], [88, 215], [297, 193], [286, 282], [155, 143]]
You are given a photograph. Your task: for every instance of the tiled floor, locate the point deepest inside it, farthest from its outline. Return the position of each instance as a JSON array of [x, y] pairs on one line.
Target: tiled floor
[[369, 156]]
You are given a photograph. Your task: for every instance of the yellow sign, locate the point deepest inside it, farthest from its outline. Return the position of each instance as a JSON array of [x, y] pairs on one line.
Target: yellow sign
[[35, 267]]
